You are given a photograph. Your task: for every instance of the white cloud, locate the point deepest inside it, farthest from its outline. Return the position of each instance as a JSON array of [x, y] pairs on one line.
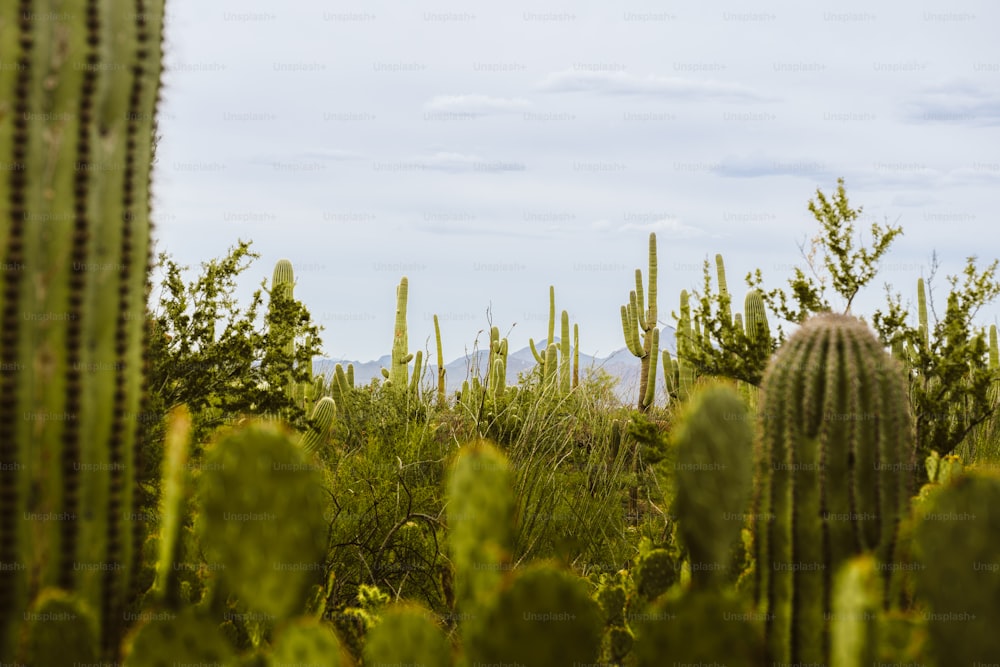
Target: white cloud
[[957, 102], [623, 83], [476, 104]]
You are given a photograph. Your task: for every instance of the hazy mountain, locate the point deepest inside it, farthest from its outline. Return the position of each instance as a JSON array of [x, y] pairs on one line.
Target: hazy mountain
[[620, 364]]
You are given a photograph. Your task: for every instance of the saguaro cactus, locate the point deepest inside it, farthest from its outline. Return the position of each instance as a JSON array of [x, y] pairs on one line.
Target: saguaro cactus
[[833, 467], [440, 364], [399, 373], [639, 320], [77, 118]]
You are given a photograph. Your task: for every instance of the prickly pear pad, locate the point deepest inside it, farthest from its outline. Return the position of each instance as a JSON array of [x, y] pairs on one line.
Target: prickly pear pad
[[167, 639], [61, 630], [261, 518], [306, 642], [407, 635], [956, 540], [543, 617]]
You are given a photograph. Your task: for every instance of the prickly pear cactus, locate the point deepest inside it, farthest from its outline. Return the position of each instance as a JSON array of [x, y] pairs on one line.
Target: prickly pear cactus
[[657, 570], [480, 519], [407, 635], [675, 631], [261, 519], [543, 616], [61, 631], [306, 642], [957, 539], [714, 465], [167, 639]]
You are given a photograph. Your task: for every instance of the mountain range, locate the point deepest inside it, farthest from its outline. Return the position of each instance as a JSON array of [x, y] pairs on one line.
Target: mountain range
[[620, 364]]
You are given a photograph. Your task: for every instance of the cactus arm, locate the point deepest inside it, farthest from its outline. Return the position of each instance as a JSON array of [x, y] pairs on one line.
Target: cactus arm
[[922, 311], [534, 351], [320, 424], [552, 315], [994, 350], [415, 381], [166, 586], [651, 291], [564, 355], [551, 359], [399, 373], [440, 363], [576, 355], [720, 268], [631, 335], [650, 393], [639, 303]]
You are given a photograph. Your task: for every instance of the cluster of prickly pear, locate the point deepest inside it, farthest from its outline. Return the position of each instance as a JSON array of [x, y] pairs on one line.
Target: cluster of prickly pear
[[480, 520], [714, 462], [407, 635], [956, 541], [714, 473], [541, 616], [639, 322], [77, 118], [833, 472]]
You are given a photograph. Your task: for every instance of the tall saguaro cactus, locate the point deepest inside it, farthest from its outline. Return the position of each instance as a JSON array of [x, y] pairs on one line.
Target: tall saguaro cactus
[[639, 321], [78, 95], [399, 373], [833, 468]]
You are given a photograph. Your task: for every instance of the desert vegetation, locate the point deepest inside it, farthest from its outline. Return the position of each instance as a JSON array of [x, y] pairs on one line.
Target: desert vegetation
[[798, 484]]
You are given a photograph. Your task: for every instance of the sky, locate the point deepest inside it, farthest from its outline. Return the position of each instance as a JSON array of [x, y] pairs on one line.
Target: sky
[[489, 150]]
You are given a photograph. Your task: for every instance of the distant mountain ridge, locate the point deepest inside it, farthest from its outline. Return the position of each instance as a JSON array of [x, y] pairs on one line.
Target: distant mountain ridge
[[620, 364]]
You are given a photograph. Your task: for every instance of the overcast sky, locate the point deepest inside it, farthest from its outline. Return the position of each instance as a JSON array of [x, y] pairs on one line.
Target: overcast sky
[[488, 150]]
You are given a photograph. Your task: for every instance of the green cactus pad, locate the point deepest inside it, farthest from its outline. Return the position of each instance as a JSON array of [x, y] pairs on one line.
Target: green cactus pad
[[407, 635], [166, 639], [480, 519], [612, 599], [60, 630], [657, 571], [675, 631], [542, 618], [306, 642], [714, 443], [957, 539], [261, 518], [620, 643]]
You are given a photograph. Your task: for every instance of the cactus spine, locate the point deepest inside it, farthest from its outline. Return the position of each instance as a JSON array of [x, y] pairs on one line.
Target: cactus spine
[[639, 321], [76, 137], [829, 486]]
